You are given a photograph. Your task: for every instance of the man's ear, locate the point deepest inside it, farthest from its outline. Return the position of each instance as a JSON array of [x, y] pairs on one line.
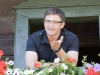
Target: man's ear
[[62, 25]]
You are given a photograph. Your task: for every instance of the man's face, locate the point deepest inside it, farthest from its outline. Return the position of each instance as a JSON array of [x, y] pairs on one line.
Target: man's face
[[53, 24]]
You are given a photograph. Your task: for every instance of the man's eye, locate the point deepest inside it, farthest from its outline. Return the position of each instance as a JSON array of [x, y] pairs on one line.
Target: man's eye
[[55, 22], [47, 21]]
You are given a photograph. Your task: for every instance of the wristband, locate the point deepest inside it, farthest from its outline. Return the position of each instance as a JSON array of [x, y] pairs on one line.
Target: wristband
[[57, 50]]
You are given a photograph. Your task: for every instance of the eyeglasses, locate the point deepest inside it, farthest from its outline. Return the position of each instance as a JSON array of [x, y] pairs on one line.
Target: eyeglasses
[[53, 22]]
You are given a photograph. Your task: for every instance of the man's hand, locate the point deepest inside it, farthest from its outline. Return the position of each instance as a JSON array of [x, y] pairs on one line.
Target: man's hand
[[56, 44]]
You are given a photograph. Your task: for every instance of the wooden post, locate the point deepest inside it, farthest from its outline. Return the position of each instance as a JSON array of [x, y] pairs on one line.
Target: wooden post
[[21, 35]]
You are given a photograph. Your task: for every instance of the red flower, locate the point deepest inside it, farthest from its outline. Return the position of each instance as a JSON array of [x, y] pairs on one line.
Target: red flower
[[2, 64], [70, 60], [1, 53], [73, 61], [91, 71], [37, 64], [2, 67], [96, 73], [2, 70]]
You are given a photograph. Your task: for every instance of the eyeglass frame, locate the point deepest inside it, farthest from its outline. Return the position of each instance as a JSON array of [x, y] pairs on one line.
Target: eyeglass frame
[[53, 22]]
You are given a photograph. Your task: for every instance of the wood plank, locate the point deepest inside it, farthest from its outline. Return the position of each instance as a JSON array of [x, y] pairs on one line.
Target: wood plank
[[6, 19], [7, 16], [81, 29], [7, 44], [5, 9], [88, 41], [91, 52], [10, 2], [93, 28], [8, 56], [6, 24]]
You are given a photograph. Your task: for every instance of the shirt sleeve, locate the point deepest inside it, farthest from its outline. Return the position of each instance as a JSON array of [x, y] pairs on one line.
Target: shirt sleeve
[[74, 44], [31, 45]]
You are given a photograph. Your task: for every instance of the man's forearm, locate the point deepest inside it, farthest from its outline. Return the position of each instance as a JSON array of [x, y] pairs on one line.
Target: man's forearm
[[61, 53]]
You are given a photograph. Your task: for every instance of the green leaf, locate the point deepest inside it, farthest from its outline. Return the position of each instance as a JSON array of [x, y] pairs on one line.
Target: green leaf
[[42, 61]]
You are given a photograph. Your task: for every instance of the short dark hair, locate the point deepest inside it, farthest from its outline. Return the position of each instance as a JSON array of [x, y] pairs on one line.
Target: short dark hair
[[54, 11]]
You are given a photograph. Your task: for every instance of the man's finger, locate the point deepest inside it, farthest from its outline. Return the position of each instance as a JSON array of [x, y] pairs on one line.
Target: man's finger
[[61, 39]]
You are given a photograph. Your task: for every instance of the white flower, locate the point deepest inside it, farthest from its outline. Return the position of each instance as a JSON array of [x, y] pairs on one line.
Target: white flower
[[26, 72], [16, 71], [56, 60], [50, 69], [64, 66], [9, 71], [11, 62]]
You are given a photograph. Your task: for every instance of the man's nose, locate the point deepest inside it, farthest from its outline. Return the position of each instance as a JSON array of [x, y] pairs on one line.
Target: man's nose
[[51, 23]]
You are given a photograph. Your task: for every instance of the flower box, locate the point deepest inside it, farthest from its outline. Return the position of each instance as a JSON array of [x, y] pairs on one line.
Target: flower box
[[67, 67]]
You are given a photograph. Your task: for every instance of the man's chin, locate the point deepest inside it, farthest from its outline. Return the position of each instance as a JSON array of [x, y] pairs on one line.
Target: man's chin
[[51, 34]]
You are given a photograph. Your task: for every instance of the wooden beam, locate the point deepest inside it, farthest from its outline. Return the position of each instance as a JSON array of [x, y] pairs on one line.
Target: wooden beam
[[69, 12], [68, 20], [56, 3]]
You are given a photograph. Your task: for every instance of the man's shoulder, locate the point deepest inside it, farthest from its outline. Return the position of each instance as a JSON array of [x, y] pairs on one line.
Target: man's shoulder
[[69, 33]]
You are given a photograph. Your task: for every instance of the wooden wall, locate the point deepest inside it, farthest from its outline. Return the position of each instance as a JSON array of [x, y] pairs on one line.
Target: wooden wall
[[7, 26]]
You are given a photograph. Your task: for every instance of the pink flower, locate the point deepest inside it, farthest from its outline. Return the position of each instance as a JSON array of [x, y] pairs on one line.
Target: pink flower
[[37, 64]]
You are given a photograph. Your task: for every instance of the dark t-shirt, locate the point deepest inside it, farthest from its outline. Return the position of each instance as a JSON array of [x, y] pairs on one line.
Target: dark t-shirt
[[39, 43]]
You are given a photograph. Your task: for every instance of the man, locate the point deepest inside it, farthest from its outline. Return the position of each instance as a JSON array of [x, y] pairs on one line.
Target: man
[[53, 41]]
